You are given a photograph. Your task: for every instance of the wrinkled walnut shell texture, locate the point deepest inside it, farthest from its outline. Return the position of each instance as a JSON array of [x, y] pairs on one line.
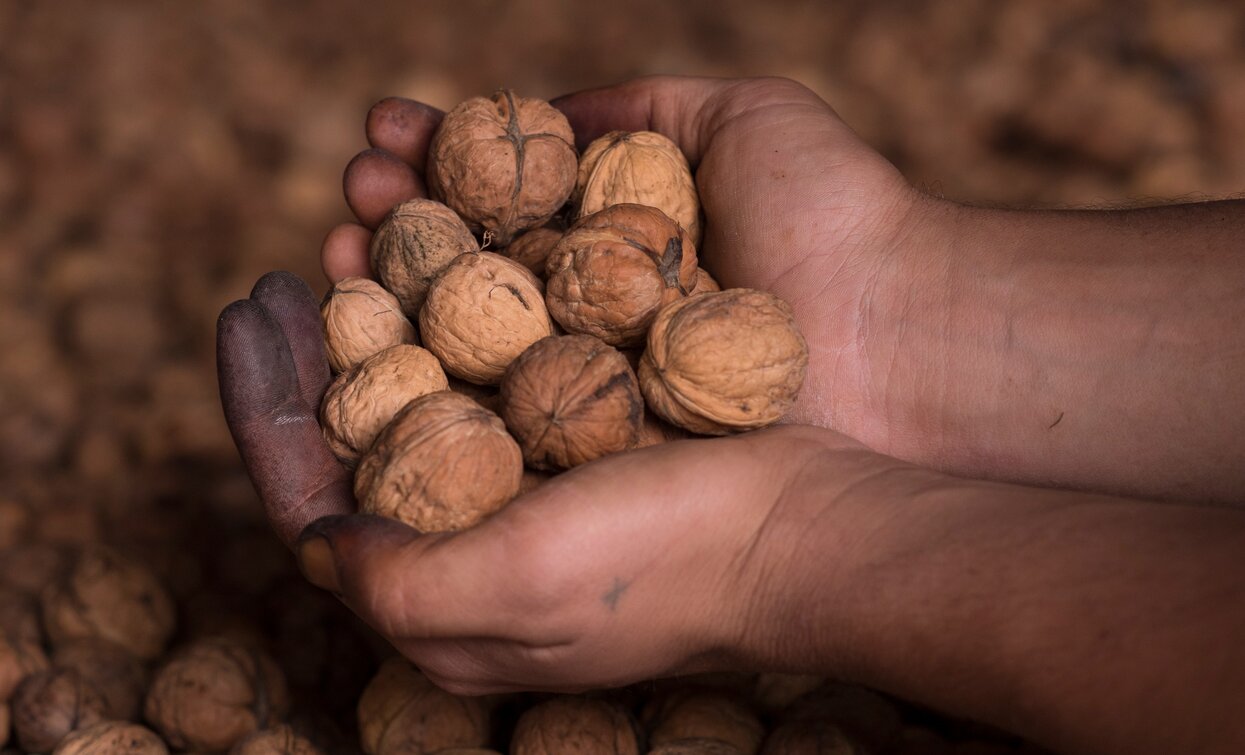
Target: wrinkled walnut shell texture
[[112, 738], [707, 715], [575, 724], [696, 747], [532, 249], [413, 245], [705, 283], [279, 740], [401, 712], [48, 705], [361, 319]]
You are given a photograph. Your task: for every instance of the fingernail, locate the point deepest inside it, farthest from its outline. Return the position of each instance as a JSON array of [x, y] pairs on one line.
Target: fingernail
[[319, 566]]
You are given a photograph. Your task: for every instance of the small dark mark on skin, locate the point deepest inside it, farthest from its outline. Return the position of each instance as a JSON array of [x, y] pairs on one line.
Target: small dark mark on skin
[[611, 598], [1057, 421]]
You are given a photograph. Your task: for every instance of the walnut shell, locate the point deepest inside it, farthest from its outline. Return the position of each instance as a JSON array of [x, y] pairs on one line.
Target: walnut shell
[[481, 313], [415, 243], [612, 271], [49, 704], [115, 673], [706, 715], [486, 396], [861, 714], [361, 319], [569, 400], [724, 362], [279, 740], [654, 431], [810, 737], [112, 738], [402, 712], [774, 691], [532, 249], [533, 479], [359, 403], [19, 618], [444, 463], [695, 747], [640, 167], [213, 692], [505, 164], [572, 725], [705, 283], [19, 657], [107, 595]]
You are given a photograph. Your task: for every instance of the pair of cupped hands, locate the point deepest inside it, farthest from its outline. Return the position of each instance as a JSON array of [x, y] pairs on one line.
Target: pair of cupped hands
[[654, 562]]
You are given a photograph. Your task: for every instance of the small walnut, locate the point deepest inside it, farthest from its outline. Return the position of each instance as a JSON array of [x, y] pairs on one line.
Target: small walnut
[[810, 737], [696, 747], [724, 362], [359, 403], [115, 673], [481, 313], [612, 271], [49, 704], [213, 692], [569, 400], [361, 319], [504, 164], [694, 714], [112, 738], [705, 283], [575, 724], [641, 167], [532, 249], [444, 463], [415, 243], [279, 740], [402, 712], [106, 595]]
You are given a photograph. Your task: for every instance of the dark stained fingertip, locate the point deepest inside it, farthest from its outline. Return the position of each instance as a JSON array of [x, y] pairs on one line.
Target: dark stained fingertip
[[375, 181], [253, 362], [403, 127], [294, 306]]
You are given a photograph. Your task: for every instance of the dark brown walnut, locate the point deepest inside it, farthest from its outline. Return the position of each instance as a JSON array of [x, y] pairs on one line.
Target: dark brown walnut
[[861, 714], [569, 400], [575, 725], [811, 737], [279, 740], [486, 396], [112, 738], [640, 167], [532, 479], [724, 362], [50, 704], [704, 714], [415, 243], [361, 319], [532, 249], [481, 313], [19, 658], [463, 751], [15, 522], [29, 567], [359, 403], [773, 691], [402, 713], [116, 673], [705, 283], [107, 595], [444, 463], [695, 747], [505, 164], [212, 693], [612, 272]]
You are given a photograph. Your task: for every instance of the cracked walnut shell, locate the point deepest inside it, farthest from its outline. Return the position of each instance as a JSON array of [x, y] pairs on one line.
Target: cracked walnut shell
[[640, 167], [612, 271], [575, 724], [724, 362], [505, 164], [361, 319], [400, 711], [569, 400], [112, 738], [415, 243], [444, 463]]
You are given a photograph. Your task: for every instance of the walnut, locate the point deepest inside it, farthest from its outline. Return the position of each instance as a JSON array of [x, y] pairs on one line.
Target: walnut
[[115, 673], [569, 400], [705, 283], [532, 249], [612, 271], [696, 747], [359, 403], [575, 724], [694, 714], [533, 479], [724, 362], [112, 738], [486, 396], [15, 522], [415, 243], [481, 313], [213, 692], [504, 164], [444, 463], [777, 691], [279, 740], [49, 704], [106, 595], [640, 167], [861, 714], [654, 431], [361, 319], [402, 712], [810, 737], [19, 658], [19, 617], [29, 567]]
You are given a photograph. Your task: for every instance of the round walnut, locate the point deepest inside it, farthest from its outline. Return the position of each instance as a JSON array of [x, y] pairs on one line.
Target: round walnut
[[361, 319], [705, 283], [810, 738], [279, 740], [50, 704], [212, 693], [575, 724], [481, 313], [415, 243], [112, 738], [112, 670], [359, 403], [695, 747], [612, 272], [724, 362], [705, 715], [569, 400], [444, 463], [505, 164], [532, 249], [19, 657], [106, 595], [401, 712], [640, 167]]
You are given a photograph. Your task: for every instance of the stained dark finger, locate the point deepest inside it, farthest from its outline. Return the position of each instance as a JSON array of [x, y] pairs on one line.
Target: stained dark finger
[[403, 128], [375, 181]]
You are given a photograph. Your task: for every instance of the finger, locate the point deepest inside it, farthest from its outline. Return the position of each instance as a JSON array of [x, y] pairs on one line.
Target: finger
[[403, 128], [290, 302], [276, 431], [375, 181], [344, 253]]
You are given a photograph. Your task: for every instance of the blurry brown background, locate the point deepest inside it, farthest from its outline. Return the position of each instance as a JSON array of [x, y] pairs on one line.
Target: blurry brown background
[[155, 158]]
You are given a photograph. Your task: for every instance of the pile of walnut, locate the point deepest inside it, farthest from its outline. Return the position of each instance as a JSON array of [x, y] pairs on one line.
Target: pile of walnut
[[500, 346]]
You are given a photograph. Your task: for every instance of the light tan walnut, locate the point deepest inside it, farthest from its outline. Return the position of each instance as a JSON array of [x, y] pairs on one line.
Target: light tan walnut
[[532, 249], [574, 725], [705, 283], [613, 270], [505, 164], [279, 740], [444, 463], [359, 403], [361, 319], [415, 243], [112, 738], [724, 362], [569, 400], [640, 167], [702, 714], [402, 713], [481, 313], [116, 673], [50, 704]]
